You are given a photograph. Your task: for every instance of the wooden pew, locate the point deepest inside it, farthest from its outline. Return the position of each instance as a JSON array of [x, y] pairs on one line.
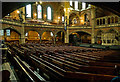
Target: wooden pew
[[33, 75], [87, 77], [49, 65], [88, 55], [61, 64], [62, 60], [21, 68], [89, 69], [73, 59], [105, 64], [53, 71], [82, 56]]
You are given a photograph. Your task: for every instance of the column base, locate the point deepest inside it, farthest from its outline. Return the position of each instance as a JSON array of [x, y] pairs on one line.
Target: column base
[[22, 41]]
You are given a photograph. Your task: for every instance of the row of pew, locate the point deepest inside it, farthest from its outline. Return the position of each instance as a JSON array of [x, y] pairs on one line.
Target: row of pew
[[23, 70], [68, 63]]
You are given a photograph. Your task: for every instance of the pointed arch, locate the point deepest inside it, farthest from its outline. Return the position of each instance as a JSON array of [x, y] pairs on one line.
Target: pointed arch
[[49, 13]]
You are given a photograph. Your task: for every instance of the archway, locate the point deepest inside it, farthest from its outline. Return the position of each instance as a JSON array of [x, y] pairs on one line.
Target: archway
[[47, 37], [98, 37], [32, 36], [74, 19], [79, 37], [10, 35], [60, 37]]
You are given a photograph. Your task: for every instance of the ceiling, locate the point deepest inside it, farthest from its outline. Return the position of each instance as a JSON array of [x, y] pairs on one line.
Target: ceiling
[[113, 7], [8, 7]]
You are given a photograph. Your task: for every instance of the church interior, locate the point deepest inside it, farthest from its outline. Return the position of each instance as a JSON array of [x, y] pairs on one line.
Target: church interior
[[69, 41]]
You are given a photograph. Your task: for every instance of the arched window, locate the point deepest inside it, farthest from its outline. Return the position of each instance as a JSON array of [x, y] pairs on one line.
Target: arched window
[[100, 21], [76, 5], [38, 34], [8, 32], [28, 10], [103, 21], [85, 17], [49, 13], [116, 19], [62, 18], [83, 5], [97, 22], [108, 20], [51, 33], [39, 11], [1, 32], [26, 34], [70, 3]]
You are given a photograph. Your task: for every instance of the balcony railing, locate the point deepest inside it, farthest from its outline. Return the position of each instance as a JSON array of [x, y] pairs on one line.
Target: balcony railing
[[79, 27], [108, 21], [10, 22], [29, 24]]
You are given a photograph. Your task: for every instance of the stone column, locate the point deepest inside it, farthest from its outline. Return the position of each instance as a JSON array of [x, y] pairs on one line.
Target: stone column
[[110, 20], [61, 36], [67, 36], [106, 20], [93, 24], [114, 19], [106, 38], [66, 16], [34, 8], [119, 39], [99, 22], [102, 21], [23, 14], [22, 37], [40, 38], [54, 39], [118, 19]]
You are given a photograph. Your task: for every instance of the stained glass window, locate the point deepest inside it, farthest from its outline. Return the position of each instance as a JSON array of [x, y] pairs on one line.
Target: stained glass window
[[1, 32], [39, 11], [8, 32]]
